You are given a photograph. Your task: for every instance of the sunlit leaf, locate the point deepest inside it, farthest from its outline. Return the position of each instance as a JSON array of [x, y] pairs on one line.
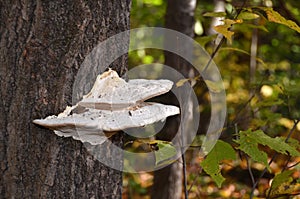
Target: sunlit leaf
[[275, 17], [246, 15], [181, 82], [220, 152], [225, 28]]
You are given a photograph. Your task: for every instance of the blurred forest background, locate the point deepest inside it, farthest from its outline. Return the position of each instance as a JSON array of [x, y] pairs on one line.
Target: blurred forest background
[[260, 67]]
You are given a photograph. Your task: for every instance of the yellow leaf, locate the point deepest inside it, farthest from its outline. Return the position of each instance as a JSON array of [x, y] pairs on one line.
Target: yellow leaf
[[181, 82], [285, 189], [225, 28], [275, 17]]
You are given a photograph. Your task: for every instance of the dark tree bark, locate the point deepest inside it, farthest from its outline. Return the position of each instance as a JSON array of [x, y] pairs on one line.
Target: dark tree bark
[[180, 17], [42, 44]]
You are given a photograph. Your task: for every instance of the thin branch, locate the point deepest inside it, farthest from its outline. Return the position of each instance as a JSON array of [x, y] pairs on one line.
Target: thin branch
[[214, 54], [261, 175], [286, 164], [292, 130], [194, 181], [250, 171], [293, 165]]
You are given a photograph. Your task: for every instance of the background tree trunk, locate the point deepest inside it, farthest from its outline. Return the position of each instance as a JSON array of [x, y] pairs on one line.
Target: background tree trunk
[[180, 17], [219, 6], [42, 44]]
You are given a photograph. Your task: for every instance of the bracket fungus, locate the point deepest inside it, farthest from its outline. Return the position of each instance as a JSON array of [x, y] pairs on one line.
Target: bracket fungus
[[112, 105]]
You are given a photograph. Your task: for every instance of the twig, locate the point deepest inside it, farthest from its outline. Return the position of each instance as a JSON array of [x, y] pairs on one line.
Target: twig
[[194, 181], [250, 171], [293, 165], [286, 164], [214, 54], [292, 130]]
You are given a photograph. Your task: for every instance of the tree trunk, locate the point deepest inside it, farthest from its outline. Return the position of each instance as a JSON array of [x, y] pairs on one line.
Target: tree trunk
[[219, 6], [42, 44], [179, 17]]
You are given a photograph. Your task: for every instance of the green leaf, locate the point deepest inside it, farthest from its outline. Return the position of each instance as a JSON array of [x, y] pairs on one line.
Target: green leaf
[[249, 141], [203, 40], [163, 151], [260, 27], [246, 15], [282, 185], [249, 145], [210, 165], [275, 143], [281, 178], [292, 142], [275, 17], [214, 14]]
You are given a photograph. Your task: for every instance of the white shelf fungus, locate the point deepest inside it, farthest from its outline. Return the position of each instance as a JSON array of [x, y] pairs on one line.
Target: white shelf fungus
[[112, 105]]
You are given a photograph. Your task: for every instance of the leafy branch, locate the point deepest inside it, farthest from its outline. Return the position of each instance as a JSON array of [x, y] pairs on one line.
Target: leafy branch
[[272, 159]]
